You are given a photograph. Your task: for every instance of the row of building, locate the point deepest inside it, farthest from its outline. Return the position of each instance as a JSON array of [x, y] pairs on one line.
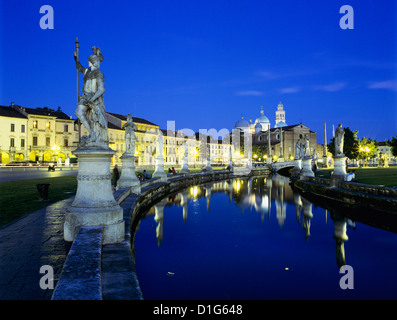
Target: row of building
[[44, 135]]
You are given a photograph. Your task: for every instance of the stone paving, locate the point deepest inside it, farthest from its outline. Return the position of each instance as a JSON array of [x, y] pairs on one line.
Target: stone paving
[[26, 245]]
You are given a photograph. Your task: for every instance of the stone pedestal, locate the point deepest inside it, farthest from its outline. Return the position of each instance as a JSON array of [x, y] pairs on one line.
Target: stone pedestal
[[128, 177], [159, 170], [208, 167], [339, 174], [298, 167], [325, 162], [185, 168], [94, 204], [307, 168]]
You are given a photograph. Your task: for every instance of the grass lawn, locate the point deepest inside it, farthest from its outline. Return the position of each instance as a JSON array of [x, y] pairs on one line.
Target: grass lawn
[[384, 177], [19, 198]]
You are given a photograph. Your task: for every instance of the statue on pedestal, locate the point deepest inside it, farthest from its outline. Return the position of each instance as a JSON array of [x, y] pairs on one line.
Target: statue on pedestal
[[339, 138], [130, 136], [306, 147], [90, 109], [297, 151], [94, 203]]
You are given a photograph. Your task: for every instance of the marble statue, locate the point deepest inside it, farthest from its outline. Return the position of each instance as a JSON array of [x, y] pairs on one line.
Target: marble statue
[[160, 144], [130, 136], [90, 109], [306, 147], [339, 138], [297, 150]]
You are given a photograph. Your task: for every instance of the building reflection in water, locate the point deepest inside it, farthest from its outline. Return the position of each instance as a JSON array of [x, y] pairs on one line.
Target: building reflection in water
[[255, 194]]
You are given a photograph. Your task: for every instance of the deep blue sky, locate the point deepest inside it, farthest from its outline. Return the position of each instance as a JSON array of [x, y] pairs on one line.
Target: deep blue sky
[[205, 63]]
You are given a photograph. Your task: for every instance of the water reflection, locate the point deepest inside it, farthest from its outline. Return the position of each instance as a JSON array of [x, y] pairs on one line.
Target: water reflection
[[255, 194], [237, 236]]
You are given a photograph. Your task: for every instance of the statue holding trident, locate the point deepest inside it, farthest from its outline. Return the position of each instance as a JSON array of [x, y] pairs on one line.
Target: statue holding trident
[[90, 108], [130, 136]]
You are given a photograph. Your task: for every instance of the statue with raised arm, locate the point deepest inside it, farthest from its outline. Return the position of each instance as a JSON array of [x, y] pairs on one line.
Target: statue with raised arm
[[130, 136], [90, 109], [339, 138]]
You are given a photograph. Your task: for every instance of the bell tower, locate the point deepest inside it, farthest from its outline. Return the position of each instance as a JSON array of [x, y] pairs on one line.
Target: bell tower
[[280, 113]]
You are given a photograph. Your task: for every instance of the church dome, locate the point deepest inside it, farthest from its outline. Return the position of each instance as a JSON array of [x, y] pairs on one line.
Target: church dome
[[262, 118], [280, 124], [242, 124]]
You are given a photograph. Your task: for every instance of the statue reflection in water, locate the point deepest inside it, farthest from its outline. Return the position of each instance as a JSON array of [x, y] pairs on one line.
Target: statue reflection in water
[[256, 194]]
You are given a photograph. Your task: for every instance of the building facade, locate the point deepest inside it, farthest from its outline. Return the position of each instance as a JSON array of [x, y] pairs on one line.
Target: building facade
[[44, 135], [283, 137], [35, 135]]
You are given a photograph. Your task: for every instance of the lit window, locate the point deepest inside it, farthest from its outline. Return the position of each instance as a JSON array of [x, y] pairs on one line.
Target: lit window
[[35, 124], [47, 125]]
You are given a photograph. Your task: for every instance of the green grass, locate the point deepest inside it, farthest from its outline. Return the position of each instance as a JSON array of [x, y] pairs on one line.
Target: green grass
[[19, 198], [384, 177]]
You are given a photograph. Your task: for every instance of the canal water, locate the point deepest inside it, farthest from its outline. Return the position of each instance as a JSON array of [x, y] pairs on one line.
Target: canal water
[[256, 239]]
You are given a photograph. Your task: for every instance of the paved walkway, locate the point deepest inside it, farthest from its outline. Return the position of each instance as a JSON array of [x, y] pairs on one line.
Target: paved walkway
[[26, 245]]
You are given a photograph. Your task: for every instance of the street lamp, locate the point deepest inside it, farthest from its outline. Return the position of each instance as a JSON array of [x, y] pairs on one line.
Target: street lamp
[[366, 150]]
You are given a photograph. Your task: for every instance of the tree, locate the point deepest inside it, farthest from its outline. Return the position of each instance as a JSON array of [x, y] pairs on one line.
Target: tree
[[367, 149], [393, 144], [259, 150], [350, 146]]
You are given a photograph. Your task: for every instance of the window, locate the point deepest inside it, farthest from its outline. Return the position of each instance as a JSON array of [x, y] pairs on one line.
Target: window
[[47, 141], [35, 124], [47, 125], [35, 141], [66, 128], [12, 142], [66, 142], [22, 143], [12, 127], [22, 128]]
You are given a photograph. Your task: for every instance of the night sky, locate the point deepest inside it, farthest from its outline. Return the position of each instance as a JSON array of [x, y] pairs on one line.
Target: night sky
[[203, 64]]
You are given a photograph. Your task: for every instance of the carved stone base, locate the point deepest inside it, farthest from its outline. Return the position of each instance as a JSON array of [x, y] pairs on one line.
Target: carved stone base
[[307, 168], [159, 170], [185, 168], [325, 162], [298, 167], [128, 177], [339, 173], [94, 204]]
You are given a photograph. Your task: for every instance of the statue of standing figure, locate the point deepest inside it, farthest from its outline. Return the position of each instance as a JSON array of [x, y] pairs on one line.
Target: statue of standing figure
[[339, 138], [130, 136], [306, 146], [90, 109], [160, 145]]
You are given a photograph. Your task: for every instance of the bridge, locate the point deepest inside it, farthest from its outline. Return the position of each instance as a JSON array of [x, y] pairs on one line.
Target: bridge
[[283, 166]]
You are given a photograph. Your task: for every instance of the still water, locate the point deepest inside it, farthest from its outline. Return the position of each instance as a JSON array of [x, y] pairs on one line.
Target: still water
[[258, 239]]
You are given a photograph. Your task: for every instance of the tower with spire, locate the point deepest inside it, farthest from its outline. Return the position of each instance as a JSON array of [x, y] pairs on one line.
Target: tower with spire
[[280, 116]]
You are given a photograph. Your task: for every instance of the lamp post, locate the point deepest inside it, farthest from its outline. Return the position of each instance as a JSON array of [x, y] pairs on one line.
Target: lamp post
[[366, 150]]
